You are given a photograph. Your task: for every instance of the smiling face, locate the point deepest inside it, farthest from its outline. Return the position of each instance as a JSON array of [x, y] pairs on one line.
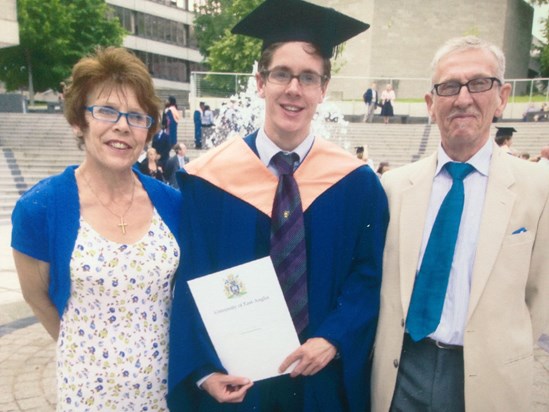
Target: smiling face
[[290, 108], [464, 119], [114, 146]]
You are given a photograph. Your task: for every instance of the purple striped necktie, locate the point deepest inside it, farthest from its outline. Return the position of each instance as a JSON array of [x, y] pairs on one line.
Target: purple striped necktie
[[288, 250]]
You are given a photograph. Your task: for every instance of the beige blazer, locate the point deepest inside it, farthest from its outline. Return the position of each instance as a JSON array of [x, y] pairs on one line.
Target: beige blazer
[[509, 302]]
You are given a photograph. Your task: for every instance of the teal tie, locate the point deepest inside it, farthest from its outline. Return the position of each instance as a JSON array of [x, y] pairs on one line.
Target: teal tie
[[432, 279]]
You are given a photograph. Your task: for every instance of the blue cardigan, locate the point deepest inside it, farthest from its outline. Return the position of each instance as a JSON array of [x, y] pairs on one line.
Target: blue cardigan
[[46, 220]]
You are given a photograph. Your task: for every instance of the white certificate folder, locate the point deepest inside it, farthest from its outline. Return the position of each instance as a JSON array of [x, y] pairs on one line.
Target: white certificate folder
[[247, 318]]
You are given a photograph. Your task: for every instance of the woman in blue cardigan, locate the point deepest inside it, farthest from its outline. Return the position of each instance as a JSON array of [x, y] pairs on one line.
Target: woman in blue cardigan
[[96, 247]]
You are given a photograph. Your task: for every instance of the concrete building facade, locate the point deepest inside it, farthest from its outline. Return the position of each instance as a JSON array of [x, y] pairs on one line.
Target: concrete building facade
[[404, 36], [9, 28], [397, 48], [161, 34]]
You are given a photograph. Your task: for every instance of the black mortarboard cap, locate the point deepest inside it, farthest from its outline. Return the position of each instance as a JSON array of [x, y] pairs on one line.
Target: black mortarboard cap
[[505, 131], [276, 21]]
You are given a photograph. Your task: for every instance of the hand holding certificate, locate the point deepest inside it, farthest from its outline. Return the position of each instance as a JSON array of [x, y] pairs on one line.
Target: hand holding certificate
[[247, 318]]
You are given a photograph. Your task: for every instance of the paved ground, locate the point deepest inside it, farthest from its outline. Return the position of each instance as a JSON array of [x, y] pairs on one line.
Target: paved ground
[[27, 353]]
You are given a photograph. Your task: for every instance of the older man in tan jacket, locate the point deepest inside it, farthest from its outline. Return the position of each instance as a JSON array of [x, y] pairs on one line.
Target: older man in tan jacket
[[478, 354]]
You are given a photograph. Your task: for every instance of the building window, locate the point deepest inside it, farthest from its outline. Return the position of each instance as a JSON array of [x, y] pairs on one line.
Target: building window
[[165, 67], [155, 28]]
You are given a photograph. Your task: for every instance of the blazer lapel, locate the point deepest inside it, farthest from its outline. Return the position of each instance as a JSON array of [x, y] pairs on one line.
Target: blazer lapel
[[498, 206], [413, 211]]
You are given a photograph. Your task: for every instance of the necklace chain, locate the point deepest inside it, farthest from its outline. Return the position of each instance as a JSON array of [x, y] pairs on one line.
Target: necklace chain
[[122, 225]]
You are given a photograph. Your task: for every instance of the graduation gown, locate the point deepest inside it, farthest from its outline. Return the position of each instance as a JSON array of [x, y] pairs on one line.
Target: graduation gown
[[227, 199]]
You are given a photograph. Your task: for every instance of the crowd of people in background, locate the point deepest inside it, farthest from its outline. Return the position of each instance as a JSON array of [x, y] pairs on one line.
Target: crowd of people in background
[[535, 114]]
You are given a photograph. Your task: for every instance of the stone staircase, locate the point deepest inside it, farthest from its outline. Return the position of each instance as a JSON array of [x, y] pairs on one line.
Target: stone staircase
[[33, 146]]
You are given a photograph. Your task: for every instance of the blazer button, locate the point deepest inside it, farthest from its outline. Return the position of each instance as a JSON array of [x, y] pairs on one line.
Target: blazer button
[[395, 363], [402, 322]]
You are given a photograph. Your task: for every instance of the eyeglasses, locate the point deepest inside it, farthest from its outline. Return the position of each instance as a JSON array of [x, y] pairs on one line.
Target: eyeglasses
[[479, 85], [108, 114], [284, 77]]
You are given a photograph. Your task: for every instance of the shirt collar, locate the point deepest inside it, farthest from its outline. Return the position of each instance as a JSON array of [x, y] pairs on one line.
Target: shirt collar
[[480, 161], [267, 149]]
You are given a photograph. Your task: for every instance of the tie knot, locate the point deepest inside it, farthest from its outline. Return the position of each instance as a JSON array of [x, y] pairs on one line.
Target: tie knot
[[284, 162], [459, 171]]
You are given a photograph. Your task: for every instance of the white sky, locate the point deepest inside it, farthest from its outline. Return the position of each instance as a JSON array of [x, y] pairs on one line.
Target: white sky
[[539, 12]]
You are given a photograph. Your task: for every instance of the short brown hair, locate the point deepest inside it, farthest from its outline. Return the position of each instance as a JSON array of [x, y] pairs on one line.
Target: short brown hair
[[111, 67], [268, 53]]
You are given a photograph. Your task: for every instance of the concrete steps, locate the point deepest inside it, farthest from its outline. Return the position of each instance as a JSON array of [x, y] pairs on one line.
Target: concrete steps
[[34, 146]]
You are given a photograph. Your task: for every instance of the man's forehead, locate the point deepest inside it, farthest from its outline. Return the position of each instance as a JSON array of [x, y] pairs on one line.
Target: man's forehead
[[465, 65], [285, 57]]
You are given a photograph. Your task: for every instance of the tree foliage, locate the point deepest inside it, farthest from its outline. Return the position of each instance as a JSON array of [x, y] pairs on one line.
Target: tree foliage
[[224, 51], [543, 50], [53, 36]]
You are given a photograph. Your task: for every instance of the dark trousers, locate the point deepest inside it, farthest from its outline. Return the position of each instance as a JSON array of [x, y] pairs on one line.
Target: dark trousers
[[198, 135], [429, 378]]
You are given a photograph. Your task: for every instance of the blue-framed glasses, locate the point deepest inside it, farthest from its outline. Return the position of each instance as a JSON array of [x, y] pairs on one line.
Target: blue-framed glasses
[[108, 114]]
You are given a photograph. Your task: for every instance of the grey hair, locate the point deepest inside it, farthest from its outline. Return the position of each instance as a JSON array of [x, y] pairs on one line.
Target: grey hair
[[468, 43]]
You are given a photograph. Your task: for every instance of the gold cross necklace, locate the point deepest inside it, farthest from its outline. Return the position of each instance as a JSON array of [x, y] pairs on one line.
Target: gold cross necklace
[[122, 225]]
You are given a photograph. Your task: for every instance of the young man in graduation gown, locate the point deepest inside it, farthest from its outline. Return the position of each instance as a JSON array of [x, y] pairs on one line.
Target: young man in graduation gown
[[335, 244]]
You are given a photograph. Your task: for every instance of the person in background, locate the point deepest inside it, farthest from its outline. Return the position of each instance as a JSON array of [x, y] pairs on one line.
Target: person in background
[[528, 114], [370, 98], [161, 143], [387, 98], [61, 94], [172, 120], [174, 163], [96, 247], [544, 156], [197, 119], [363, 154], [330, 234], [382, 168], [465, 292], [544, 109], [359, 151], [150, 166], [504, 138], [207, 123]]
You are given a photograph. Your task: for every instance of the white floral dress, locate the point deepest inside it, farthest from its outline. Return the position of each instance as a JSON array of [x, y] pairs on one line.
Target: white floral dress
[[112, 351]]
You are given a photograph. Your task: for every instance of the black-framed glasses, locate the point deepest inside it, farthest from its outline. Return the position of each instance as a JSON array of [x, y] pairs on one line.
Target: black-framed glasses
[[482, 84], [108, 114], [284, 77]]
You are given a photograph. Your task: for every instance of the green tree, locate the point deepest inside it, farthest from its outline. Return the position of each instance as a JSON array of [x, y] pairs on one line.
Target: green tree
[[543, 50], [53, 36], [224, 51]]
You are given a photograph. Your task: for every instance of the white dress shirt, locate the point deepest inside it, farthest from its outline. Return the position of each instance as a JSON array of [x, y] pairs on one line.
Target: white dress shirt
[[456, 303], [267, 149]]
